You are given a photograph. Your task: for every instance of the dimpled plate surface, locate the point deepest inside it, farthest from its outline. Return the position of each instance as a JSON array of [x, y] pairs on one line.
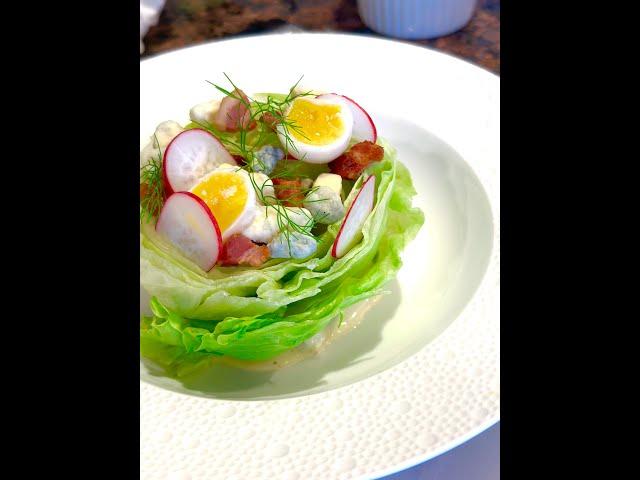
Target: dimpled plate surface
[[442, 395]]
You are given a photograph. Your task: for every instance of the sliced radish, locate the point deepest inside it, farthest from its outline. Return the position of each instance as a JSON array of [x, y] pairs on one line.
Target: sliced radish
[[363, 126], [187, 222], [189, 157], [350, 231]]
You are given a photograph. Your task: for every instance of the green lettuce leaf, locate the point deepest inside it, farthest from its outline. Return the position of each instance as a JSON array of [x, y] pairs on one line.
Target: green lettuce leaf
[[256, 314]]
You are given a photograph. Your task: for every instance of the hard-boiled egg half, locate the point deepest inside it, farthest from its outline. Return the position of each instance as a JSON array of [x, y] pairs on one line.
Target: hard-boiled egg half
[[229, 194], [318, 130]]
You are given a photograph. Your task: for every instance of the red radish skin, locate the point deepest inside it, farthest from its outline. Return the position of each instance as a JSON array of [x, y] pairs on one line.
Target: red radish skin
[[168, 191], [166, 224], [198, 137], [359, 114], [373, 125], [369, 189]]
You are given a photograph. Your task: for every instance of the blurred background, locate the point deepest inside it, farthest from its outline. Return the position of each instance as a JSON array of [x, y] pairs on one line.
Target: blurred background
[[469, 29]]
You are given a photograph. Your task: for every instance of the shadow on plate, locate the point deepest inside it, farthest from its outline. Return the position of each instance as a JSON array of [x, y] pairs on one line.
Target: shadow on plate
[[307, 376]]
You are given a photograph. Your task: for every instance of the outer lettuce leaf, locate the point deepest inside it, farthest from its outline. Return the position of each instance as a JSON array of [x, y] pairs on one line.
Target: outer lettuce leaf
[[256, 314]]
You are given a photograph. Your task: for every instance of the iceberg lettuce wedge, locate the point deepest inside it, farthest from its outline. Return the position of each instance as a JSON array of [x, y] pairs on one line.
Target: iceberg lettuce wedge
[[258, 313]]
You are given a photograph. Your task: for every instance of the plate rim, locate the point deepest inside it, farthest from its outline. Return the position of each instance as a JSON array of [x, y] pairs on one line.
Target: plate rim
[[369, 36], [493, 261]]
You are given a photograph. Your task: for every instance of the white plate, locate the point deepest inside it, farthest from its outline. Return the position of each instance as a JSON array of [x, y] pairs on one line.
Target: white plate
[[422, 374]]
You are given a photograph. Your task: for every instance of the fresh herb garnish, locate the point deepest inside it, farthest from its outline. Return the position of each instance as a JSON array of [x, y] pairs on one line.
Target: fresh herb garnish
[[257, 109], [152, 187], [246, 143]]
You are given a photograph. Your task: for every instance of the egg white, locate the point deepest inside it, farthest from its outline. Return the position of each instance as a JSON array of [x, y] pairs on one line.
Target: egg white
[[320, 153]]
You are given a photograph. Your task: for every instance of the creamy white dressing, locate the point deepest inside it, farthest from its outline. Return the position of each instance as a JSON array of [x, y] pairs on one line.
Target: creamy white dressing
[[314, 346]]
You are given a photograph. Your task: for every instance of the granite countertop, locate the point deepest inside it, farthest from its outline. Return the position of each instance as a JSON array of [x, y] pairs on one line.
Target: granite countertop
[[188, 22]]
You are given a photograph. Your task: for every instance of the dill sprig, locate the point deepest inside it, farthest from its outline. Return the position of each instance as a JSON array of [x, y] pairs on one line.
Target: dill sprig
[[151, 176], [257, 109], [245, 143]]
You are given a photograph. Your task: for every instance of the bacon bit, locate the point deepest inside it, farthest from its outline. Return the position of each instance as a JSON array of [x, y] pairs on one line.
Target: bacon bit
[[289, 190], [239, 159], [269, 119], [144, 189], [350, 164], [239, 250], [233, 114]]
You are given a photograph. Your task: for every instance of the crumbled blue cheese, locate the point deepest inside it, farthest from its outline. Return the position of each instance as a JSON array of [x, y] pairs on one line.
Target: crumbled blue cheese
[[325, 205], [203, 112], [264, 226], [292, 245], [158, 142], [269, 220], [298, 215], [266, 159], [331, 180], [167, 131]]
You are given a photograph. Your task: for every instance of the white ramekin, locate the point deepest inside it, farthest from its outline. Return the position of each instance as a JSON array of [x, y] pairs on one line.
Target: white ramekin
[[416, 19]]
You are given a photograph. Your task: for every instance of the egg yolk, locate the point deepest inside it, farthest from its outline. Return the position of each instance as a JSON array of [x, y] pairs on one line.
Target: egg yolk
[[315, 124], [225, 193]]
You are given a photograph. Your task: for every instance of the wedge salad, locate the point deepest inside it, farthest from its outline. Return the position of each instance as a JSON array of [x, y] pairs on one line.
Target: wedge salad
[[261, 220]]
